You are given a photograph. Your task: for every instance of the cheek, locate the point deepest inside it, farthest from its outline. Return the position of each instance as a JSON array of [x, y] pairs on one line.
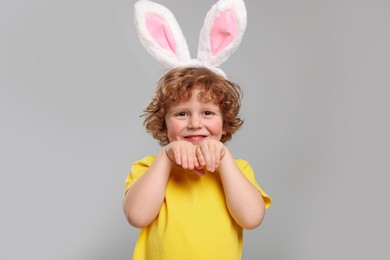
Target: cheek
[[218, 127], [173, 129]]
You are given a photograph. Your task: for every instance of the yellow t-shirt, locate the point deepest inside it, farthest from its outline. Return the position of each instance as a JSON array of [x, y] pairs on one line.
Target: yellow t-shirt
[[194, 222]]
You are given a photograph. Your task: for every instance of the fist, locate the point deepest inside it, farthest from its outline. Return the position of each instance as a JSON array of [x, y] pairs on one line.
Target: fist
[[207, 154]]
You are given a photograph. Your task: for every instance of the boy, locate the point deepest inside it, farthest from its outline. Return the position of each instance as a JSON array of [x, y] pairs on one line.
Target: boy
[[193, 200]]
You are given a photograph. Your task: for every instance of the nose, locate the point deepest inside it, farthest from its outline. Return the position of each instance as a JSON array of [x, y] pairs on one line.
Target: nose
[[195, 122]]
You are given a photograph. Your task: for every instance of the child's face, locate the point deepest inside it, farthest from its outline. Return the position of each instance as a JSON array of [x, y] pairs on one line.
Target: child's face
[[194, 121]]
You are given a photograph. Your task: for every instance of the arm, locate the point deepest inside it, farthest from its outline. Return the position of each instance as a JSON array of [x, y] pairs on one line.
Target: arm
[[144, 198], [244, 201]]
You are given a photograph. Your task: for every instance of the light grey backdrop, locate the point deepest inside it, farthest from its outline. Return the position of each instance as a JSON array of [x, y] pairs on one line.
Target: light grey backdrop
[[74, 80]]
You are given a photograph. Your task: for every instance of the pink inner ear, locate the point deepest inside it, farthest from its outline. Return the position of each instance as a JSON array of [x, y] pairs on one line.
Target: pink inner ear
[[223, 31], [160, 32]]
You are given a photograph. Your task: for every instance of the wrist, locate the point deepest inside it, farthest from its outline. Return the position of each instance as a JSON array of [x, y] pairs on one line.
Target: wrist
[[166, 154], [225, 157], [224, 152]]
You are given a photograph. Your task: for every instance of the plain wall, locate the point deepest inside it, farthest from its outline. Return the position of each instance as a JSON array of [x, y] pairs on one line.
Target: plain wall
[[74, 80]]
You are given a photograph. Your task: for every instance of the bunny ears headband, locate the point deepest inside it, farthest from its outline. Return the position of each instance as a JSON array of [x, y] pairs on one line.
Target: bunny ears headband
[[221, 34]]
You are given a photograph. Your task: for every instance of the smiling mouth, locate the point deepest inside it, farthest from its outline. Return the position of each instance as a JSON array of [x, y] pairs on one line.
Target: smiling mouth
[[194, 137]]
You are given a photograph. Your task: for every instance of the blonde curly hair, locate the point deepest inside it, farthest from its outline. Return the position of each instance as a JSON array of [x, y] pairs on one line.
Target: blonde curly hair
[[178, 84]]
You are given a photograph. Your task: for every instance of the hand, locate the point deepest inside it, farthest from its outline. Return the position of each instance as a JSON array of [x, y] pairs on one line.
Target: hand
[[209, 154], [182, 153]]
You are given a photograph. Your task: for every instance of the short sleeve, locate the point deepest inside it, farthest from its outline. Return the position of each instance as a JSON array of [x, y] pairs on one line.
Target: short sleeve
[[247, 170], [137, 170]]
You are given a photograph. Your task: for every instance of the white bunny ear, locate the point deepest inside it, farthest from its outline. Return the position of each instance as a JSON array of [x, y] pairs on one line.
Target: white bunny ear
[[223, 29], [160, 34]]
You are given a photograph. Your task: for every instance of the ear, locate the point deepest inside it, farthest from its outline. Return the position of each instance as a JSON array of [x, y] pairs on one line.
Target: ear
[[160, 34], [222, 32]]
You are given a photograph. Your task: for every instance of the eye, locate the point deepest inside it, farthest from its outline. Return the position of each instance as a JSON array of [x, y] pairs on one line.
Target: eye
[[181, 114], [208, 113]]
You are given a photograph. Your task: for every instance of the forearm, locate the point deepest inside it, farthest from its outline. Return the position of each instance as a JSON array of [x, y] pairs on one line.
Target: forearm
[[144, 198], [244, 201]]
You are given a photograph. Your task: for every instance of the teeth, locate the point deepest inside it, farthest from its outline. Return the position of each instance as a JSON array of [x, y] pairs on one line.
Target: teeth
[[197, 137]]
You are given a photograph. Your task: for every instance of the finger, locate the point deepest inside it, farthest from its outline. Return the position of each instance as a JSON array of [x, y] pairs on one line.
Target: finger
[[206, 155], [184, 157], [217, 157], [196, 160], [220, 152], [177, 155], [212, 156], [190, 156], [199, 156], [199, 171]]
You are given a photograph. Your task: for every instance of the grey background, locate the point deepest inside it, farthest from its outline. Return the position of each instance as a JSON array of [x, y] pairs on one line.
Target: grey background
[[74, 80]]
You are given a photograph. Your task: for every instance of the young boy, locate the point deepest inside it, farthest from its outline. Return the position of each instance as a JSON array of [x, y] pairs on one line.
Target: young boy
[[193, 200]]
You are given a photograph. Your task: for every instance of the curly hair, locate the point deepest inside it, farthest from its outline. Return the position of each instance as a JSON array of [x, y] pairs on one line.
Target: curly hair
[[178, 84]]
